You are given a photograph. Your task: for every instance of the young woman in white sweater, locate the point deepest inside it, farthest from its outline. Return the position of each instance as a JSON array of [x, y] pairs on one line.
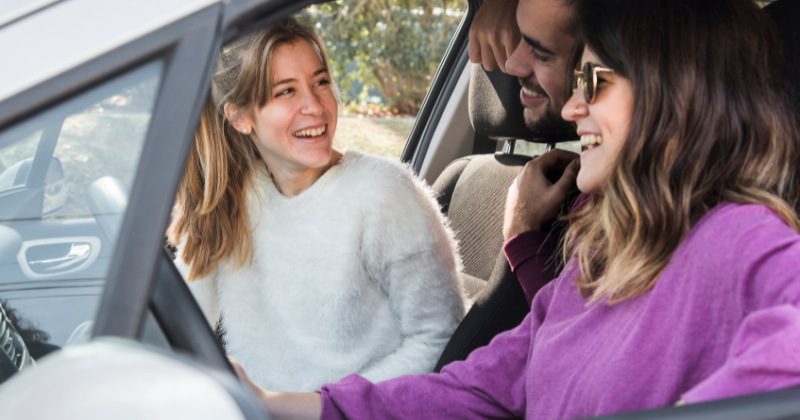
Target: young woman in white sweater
[[316, 263]]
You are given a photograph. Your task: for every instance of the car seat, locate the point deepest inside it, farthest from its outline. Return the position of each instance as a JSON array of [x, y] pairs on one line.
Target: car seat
[[472, 193]]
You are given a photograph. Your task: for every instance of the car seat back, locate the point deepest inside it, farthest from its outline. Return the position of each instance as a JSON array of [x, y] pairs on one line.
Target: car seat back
[[472, 193]]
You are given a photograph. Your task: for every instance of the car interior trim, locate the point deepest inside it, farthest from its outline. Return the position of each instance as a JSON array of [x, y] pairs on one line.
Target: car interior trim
[[782, 404], [432, 126], [453, 136]]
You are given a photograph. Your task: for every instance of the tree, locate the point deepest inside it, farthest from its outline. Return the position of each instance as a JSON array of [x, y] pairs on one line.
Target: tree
[[394, 45]]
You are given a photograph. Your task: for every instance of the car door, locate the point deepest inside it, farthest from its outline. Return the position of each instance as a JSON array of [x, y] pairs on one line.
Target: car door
[[93, 140], [88, 157]]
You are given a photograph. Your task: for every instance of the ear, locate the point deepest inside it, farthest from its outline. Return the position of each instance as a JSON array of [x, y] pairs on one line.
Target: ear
[[238, 119]]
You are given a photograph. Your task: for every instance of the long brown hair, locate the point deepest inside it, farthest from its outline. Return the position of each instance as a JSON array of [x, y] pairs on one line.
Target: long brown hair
[[210, 209], [710, 124]]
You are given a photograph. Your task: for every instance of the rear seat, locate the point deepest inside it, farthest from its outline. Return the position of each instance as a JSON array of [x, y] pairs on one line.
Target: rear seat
[[472, 193]]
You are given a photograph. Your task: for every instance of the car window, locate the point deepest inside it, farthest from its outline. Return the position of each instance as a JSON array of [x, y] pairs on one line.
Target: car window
[[64, 178], [383, 54]]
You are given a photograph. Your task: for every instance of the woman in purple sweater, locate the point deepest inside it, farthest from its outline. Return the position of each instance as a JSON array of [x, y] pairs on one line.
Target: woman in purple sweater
[[683, 274]]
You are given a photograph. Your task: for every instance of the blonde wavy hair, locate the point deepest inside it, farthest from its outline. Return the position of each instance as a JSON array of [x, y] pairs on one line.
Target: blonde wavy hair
[[707, 127], [210, 209]]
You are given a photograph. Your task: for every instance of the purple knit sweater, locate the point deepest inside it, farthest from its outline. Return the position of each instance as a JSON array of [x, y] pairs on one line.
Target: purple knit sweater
[[723, 320]]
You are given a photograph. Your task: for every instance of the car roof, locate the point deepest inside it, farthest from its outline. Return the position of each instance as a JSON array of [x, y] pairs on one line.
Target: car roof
[[40, 39]]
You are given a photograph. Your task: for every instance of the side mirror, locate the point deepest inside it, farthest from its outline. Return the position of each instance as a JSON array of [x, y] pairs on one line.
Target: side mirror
[[15, 175], [21, 202], [55, 189]]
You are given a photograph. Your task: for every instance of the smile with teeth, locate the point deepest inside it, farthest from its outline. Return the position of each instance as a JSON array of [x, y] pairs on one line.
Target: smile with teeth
[[591, 140], [531, 93], [314, 132]]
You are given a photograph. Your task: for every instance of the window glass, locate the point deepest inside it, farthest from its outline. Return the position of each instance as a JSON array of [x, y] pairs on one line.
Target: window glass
[[59, 222], [384, 54]]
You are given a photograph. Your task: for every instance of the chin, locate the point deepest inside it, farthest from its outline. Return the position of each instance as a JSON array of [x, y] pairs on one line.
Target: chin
[[587, 184], [532, 116], [316, 158]]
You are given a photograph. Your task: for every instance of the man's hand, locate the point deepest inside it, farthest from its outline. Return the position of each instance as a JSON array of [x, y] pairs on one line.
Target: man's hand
[[532, 199], [494, 34]]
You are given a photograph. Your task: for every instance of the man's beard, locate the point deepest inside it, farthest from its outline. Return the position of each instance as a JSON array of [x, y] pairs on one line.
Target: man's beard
[[550, 125]]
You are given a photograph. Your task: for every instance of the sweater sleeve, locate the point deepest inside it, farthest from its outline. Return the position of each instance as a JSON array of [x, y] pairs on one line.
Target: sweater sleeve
[[204, 290], [489, 384], [765, 352], [529, 255], [411, 252]]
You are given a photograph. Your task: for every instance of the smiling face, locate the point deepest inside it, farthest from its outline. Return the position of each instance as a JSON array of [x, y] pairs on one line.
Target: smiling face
[[294, 130], [602, 125], [540, 60]]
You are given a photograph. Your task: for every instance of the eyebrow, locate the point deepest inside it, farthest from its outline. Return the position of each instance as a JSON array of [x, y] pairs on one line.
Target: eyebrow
[[320, 71], [537, 45]]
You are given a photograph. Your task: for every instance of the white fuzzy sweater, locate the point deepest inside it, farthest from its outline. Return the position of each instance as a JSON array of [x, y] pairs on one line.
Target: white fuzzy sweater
[[357, 274]]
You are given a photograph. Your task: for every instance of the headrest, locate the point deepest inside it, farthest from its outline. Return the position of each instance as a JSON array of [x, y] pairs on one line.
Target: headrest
[[495, 109], [786, 14]]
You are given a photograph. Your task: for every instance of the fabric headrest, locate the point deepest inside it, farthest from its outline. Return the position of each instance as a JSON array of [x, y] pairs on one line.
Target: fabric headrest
[[495, 109], [494, 106], [786, 14]]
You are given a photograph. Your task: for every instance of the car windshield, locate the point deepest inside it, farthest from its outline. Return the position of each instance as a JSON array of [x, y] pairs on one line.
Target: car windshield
[[65, 174]]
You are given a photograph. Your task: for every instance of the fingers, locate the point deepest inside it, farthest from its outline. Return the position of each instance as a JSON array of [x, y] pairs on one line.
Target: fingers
[[512, 41], [500, 57], [236, 366], [474, 47], [487, 56], [492, 49], [556, 159], [566, 183]]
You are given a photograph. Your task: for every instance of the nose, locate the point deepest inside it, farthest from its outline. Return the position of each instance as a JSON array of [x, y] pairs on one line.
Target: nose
[[576, 107], [517, 65], [312, 104]]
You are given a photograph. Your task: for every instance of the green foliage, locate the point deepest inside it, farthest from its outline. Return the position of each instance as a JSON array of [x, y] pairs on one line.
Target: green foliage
[[392, 46]]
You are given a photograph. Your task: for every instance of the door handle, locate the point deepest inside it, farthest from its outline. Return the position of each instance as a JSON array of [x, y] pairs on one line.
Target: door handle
[[83, 251], [77, 253]]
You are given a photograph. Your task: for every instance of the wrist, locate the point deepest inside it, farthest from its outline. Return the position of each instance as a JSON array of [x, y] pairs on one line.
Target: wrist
[[520, 228], [292, 405]]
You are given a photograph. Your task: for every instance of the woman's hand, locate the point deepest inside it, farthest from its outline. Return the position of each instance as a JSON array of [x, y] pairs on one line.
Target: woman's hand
[[532, 199], [283, 405]]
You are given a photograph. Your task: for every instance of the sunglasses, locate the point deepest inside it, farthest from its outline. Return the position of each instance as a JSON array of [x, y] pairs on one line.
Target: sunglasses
[[587, 80]]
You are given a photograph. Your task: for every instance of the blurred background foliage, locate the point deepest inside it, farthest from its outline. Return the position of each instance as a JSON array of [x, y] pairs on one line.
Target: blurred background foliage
[[385, 52]]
